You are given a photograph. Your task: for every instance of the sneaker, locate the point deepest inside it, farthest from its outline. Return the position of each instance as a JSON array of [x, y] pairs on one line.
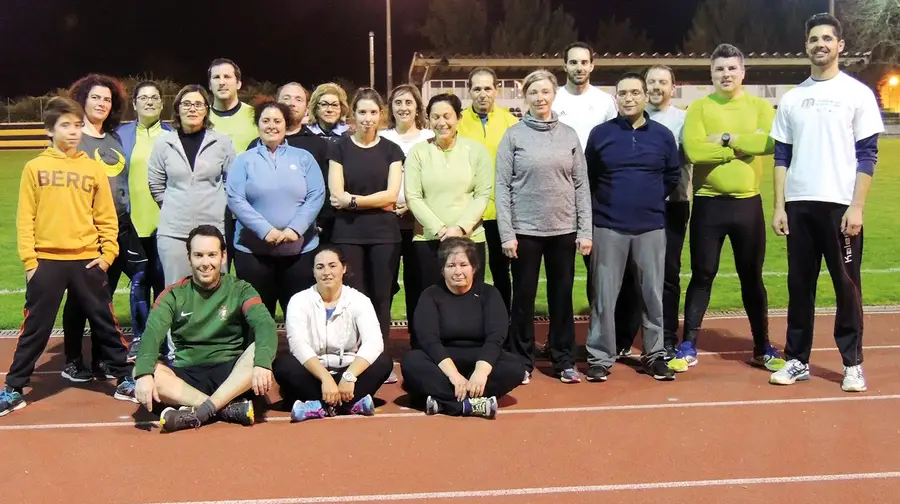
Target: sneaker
[[793, 371], [623, 352], [101, 372], [854, 381], [392, 378], [133, 350], [237, 412], [76, 372], [671, 352], [308, 410], [125, 390], [172, 420], [485, 407], [687, 354], [570, 375], [597, 374], [527, 379], [432, 407], [659, 370], [364, 407], [10, 400], [771, 360], [678, 365]]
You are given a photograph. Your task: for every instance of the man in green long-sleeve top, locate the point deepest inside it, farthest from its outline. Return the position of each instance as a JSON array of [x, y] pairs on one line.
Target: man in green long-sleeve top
[[210, 318]]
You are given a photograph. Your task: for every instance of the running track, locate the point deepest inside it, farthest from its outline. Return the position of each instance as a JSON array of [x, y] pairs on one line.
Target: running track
[[718, 434]]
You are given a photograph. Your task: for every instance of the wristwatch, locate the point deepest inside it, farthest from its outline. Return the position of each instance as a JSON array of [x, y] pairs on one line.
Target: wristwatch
[[348, 377], [725, 139], [353, 205]]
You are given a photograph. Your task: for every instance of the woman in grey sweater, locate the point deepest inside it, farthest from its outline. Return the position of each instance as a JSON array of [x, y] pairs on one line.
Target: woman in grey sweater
[[543, 211], [186, 173]]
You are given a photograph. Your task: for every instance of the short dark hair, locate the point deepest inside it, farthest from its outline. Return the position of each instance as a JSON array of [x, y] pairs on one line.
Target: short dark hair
[[452, 99], [223, 61], [632, 75], [261, 107], [206, 230], [667, 68], [142, 85], [825, 19], [482, 70], [576, 45], [58, 107], [190, 88], [417, 97], [727, 51], [81, 89], [454, 243]]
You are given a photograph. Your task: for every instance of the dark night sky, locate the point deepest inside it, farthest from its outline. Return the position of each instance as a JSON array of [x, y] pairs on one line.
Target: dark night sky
[[47, 44]]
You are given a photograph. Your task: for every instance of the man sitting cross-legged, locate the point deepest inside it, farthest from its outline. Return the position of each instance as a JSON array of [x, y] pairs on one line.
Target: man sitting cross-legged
[[206, 314]]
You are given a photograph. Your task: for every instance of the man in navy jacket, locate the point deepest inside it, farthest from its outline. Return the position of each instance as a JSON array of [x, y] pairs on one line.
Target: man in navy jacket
[[633, 165]]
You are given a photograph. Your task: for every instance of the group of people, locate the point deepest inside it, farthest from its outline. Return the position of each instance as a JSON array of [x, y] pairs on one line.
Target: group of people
[[316, 205]]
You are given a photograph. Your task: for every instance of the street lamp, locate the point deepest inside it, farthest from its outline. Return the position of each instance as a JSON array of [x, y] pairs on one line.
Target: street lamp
[[892, 84], [390, 59]]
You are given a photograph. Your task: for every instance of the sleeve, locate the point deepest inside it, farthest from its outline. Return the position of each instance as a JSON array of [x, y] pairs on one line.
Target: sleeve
[[867, 155], [427, 323], [262, 325], [781, 126], [672, 175], [502, 191], [395, 153], [371, 342], [784, 154], [415, 195], [236, 188], [867, 118], [228, 158], [496, 324], [480, 163], [696, 147], [315, 195], [106, 218], [582, 192], [158, 324], [25, 217], [298, 328], [758, 143], [156, 171], [612, 109], [591, 156]]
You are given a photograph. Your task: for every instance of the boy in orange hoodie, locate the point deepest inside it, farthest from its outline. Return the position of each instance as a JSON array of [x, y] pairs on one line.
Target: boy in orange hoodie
[[67, 238]]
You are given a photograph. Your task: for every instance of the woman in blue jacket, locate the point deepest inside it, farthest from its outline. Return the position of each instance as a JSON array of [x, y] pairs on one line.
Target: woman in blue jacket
[[276, 192]]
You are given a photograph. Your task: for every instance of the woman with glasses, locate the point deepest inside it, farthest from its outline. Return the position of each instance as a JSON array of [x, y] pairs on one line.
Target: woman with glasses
[[329, 111], [186, 173]]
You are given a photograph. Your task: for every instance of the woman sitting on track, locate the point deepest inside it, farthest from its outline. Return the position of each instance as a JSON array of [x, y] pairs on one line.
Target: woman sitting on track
[[333, 332], [461, 325]]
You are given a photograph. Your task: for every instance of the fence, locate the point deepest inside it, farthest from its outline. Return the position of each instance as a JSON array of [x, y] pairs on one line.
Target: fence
[[28, 110]]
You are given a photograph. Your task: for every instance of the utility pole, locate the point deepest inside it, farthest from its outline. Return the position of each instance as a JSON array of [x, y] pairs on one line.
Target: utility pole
[[390, 59], [830, 7], [371, 59]]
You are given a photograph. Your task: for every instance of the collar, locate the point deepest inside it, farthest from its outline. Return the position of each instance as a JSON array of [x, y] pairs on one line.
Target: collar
[[624, 123]]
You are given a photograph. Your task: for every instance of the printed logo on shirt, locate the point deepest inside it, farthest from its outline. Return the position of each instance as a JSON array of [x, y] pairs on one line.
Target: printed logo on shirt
[[223, 312], [293, 167], [111, 159], [60, 178], [848, 251], [186, 315]]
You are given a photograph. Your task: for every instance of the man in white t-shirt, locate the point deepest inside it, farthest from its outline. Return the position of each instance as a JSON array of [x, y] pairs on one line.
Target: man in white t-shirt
[[826, 132]]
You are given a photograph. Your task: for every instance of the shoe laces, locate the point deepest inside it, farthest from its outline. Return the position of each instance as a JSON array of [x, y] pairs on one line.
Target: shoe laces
[[853, 372], [6, 394]]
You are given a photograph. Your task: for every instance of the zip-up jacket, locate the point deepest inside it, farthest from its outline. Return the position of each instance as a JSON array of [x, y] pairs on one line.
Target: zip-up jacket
[[488, 134]]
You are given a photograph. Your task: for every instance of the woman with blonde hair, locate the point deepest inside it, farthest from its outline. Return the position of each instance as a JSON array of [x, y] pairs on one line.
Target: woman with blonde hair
[[328, 111]]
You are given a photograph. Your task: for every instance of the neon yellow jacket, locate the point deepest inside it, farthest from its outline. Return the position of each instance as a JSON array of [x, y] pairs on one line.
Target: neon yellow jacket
[[489, 135]]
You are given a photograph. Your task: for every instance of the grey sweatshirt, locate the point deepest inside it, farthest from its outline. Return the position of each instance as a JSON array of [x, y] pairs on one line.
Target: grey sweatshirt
[[107, 151], [673, 118], [541, 187], [189, 197]]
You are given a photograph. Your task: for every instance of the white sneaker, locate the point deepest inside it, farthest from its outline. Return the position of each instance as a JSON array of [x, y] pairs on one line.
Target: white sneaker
[[854, 381], [791, 373]]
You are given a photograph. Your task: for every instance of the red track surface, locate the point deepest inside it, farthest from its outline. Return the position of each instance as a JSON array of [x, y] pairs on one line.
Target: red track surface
[[718, 434]]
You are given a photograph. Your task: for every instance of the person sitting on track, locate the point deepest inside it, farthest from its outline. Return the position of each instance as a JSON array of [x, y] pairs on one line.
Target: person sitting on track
[[461, 324], [333, 331], [207, 315]]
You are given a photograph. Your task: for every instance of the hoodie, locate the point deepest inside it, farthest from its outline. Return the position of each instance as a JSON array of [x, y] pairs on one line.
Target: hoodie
[[66, 210], [541, 186]]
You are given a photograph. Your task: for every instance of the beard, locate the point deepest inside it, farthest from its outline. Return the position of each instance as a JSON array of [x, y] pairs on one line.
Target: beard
[[824, 62]]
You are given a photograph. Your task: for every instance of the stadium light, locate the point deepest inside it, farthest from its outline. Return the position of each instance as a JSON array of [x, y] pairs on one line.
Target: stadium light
[[893, 81]]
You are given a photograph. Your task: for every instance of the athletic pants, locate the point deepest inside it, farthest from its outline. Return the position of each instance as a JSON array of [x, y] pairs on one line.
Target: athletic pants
[[815, 232], [498, 262], [154, 275], [742, 221], [276, 278], [43, 295], [412, 284], [297, 383], [371, 270], [558, 253], [422, 377]]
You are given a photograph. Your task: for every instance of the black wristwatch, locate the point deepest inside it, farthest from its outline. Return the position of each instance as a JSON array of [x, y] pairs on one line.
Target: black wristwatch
[[725, 139], [352, 205]]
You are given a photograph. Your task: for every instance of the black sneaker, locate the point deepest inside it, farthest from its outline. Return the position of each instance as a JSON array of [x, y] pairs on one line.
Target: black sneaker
[[597, 374], [172, 420], [101, 372], [671, 352], [76, 372], [237, 412], [659, 370]]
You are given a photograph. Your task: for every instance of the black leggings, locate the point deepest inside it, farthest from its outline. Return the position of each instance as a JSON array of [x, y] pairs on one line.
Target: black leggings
[[422, 377], [371, 269], [741, 220], [276, 279], [412, 281], [498, 262], [297, 383]]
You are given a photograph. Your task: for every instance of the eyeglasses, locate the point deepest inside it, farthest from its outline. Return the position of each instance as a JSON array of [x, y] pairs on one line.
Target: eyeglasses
[[144, 99], [189, 105], [329, 105]]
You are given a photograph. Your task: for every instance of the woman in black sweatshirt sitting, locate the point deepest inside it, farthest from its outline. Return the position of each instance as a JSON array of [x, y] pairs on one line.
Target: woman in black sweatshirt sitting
[[461, 368]]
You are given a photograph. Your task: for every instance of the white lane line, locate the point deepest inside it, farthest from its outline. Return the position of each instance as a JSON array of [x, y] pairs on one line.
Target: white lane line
[[515, 492], [524, 411]]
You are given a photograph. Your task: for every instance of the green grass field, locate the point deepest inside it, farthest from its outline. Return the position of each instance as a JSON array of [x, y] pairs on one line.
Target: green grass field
[[881, 264]]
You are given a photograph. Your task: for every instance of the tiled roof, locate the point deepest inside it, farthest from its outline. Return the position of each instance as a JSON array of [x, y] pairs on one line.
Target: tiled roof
[[436, 55]]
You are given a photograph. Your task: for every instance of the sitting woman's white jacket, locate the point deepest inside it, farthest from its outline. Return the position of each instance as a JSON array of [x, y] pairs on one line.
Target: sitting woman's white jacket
[[352, 330]]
